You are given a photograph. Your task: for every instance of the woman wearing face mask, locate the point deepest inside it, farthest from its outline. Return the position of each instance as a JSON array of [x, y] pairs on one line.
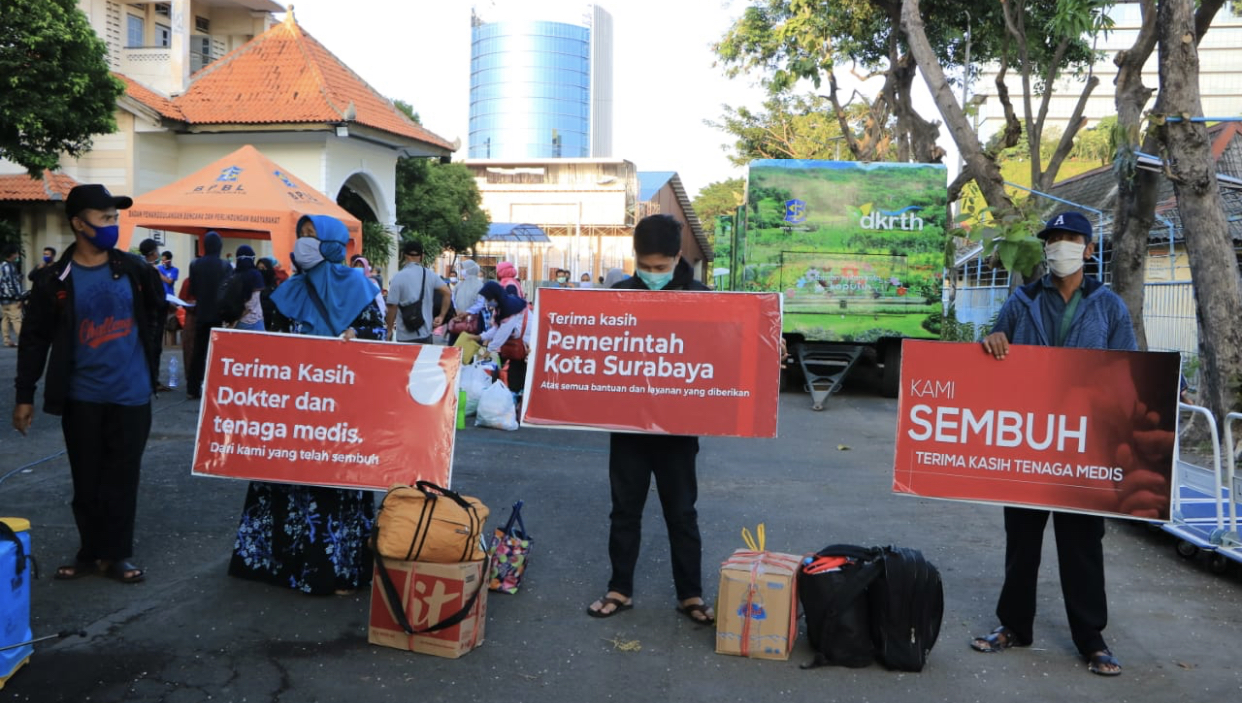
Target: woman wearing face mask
[[512, 321], [252, 289], [466, 292], [284, 537]]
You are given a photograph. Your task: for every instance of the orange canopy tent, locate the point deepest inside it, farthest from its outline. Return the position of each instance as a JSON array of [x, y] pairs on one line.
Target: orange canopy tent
[[245, 195]]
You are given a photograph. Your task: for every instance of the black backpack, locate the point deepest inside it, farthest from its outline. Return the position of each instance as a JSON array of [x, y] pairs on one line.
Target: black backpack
[[231, 298], [907, 605], [837, 608]]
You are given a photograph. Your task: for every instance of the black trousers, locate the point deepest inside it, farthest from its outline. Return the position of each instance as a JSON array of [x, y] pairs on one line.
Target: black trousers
[[631, 462], [198, 361], [105, 443], [1080, 558]]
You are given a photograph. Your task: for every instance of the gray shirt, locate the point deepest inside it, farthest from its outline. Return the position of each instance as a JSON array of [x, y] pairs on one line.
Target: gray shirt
[[404, 289]]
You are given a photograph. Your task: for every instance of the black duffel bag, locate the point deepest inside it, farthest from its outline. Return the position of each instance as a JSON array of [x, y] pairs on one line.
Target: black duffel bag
[[836, 605]]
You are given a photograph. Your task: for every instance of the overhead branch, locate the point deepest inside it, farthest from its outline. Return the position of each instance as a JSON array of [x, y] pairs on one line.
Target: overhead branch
[[1076, 122]]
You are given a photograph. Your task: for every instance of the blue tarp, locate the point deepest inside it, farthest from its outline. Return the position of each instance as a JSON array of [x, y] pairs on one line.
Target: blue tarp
[[515, 232]]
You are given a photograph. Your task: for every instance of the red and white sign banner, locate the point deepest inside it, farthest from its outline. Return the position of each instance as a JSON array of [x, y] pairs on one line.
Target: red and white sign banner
[[1079, 430], [655, 362], [326, 412]]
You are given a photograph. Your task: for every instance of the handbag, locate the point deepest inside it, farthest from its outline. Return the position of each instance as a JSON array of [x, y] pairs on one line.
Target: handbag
[[514, 348], [425, 522], [467, 325], [412, 313], [508, 553]]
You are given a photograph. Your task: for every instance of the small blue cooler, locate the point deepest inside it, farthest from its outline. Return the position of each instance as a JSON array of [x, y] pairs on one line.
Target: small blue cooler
[[15, 576]]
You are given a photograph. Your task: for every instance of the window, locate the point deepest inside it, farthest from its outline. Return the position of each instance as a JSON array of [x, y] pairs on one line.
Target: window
[[135, 31], [202, 25], [163, 9], [163, 35]]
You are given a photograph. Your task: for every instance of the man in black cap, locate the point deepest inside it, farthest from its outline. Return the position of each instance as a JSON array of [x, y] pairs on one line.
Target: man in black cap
[[1063, 309], [150, 250], [97, 311]]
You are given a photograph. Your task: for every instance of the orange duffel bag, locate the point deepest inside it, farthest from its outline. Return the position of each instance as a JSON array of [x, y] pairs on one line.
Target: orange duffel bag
[[427, 523]]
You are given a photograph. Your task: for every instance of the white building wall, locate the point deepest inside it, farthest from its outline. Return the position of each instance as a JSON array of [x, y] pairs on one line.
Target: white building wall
[[601, 83]]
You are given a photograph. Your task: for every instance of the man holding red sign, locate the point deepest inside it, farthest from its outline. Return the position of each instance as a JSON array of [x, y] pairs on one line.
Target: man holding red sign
[[1063, 309], [633, 458]]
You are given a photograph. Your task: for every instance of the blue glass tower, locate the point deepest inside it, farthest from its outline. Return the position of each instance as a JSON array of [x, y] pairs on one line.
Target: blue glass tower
[[536, 89]]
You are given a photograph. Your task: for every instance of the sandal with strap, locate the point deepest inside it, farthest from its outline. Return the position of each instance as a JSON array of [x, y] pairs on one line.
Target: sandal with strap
[[617, 604], [697, 613], [76, 570], [1103, 663], [124, 571], [999, 640]]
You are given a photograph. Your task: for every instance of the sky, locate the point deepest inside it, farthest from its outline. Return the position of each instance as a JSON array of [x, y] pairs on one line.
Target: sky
[[664, 81]]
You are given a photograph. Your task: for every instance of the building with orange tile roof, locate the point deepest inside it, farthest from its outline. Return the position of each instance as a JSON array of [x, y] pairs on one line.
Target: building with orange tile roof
[[206, 77]]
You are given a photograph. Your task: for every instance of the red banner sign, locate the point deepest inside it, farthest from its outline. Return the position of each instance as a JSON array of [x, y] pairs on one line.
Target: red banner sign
[[656, 362], [1069, 429], [326, 412]]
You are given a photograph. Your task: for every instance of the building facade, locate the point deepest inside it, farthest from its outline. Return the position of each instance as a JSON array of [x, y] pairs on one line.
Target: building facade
[[540, 82], [1220, 75]]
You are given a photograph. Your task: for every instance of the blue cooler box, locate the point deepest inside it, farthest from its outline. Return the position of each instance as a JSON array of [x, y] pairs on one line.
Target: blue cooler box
[[15, 576]]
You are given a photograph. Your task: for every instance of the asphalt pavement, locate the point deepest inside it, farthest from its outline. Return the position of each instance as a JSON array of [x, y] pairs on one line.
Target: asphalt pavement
[[191, 633]]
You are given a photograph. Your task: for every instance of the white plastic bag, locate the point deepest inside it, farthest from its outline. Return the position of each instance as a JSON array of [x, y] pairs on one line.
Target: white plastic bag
[[474, 380], [496, 408]]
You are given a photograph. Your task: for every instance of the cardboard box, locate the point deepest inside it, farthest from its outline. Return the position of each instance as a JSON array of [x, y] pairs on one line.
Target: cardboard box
[[757, 605], [430, 593]]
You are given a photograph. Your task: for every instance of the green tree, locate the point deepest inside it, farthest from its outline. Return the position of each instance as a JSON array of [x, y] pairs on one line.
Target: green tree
[[57, 90], [376, 243], [795, 127], [440, 203], [719, 198]]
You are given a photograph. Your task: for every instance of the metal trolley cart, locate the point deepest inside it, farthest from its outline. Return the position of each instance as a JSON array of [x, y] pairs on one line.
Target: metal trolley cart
[[1204, 512]]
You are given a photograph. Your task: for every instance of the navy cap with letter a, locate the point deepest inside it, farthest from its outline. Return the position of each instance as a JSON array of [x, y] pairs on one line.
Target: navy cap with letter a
[[1068, 221]]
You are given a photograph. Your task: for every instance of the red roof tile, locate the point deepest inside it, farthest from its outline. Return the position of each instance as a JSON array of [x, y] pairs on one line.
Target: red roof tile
[[284, 75], [54, 186], [150, 98]]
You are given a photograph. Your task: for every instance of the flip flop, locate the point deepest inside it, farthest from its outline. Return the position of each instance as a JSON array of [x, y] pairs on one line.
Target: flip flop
[[124, 571], [1103, 658], [76, 570], [617, 607], [1002, 638], [700, 608]]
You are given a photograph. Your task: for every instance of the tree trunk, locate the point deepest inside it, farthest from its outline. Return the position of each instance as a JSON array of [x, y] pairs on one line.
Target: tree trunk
[[1136, 188], [1213, 263], [984, 169]]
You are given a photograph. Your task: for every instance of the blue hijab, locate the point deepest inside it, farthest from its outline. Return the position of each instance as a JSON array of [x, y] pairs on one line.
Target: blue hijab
[[345, 292]]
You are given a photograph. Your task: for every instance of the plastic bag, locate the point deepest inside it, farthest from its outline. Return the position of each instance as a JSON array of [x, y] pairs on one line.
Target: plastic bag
[[474, 380], [496, 409]]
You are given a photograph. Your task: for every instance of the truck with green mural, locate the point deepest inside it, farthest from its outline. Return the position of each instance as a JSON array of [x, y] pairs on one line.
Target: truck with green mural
[[857, 252]]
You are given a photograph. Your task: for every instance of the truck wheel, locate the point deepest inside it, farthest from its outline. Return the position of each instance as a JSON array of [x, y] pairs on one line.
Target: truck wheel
[[890, 381]]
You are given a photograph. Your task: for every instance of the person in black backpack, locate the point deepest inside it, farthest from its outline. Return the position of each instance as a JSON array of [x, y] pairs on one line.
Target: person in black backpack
[[206, 274]]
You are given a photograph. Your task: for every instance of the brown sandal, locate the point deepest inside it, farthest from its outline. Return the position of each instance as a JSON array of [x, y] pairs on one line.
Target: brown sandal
[[697, 613]]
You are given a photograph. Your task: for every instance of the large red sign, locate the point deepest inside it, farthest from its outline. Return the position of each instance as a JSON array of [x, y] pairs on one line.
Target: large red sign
[[1070, 429], [327, 412], [655, 362]]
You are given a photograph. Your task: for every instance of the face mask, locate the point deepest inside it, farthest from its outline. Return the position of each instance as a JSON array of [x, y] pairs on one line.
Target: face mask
[[47, 259], [1064, 258], [655, 281], [453, 280], [562, 279], [105, 237], [306, 254]]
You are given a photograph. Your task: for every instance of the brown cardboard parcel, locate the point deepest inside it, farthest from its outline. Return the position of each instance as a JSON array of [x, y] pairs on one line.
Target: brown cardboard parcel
[[430, 594], [757, 605]]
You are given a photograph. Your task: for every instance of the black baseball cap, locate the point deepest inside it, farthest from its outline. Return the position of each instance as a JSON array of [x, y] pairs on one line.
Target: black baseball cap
[[94, 196], [1068, 221]]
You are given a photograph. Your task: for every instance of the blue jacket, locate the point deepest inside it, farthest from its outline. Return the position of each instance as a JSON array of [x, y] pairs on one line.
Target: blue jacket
[[1101, 321]]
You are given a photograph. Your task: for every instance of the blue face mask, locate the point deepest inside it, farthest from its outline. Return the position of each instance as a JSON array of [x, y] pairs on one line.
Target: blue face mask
[[105, 237], [655, 281], [47, 259]]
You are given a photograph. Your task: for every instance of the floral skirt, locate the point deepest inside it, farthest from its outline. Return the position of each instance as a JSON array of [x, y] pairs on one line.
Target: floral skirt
[[307, 538]]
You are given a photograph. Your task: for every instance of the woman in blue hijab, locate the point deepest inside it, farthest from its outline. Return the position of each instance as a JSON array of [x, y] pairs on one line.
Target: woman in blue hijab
[[311, 538]]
